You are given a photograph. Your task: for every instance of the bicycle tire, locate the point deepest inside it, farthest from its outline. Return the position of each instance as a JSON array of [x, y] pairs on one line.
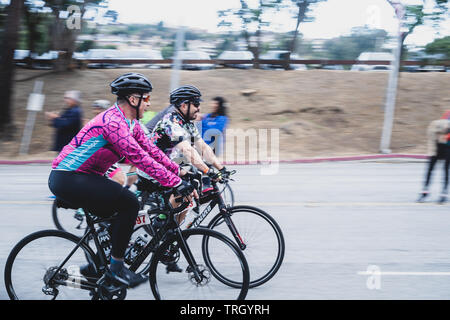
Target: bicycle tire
[[87, 251], [57, 221], [273, 269], [228, 199], [202, 234]]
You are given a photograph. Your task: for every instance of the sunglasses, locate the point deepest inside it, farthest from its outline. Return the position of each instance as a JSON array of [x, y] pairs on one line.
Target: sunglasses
[[144, 98]]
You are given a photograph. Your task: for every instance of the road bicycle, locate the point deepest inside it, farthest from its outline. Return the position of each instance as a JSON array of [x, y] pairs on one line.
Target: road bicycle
[[74, 221], [45, 264], [255, 231]]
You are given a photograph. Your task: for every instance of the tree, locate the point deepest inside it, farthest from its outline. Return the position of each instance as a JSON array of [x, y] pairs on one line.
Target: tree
[[415, 15], [63, 37], [302, 7], [439, 46], [35, 20], [252, 21], [360, 40], [7, 66]]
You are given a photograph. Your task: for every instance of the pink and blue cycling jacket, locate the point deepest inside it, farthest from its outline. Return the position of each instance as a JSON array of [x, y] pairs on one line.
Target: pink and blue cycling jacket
[[109, 137]]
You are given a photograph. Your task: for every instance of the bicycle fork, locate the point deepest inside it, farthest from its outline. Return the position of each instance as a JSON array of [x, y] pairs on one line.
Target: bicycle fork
[[227, 218], [189, 257]]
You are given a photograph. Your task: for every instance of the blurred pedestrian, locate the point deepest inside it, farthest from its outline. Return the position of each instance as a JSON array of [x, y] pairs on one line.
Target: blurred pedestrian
[[214, 125], [98, 106], [438, 149], [68, 122]]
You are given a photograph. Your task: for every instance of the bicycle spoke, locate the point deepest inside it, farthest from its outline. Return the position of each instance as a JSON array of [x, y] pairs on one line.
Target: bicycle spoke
[[36, 263], [186, 286], [264, 244]]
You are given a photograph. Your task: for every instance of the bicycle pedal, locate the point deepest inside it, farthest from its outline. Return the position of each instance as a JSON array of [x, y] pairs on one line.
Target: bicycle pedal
[[110, 285], [173, 267], [108, 289], [189, 269]]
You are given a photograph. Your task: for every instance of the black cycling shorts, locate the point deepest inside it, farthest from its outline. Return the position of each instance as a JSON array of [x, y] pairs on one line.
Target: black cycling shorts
[[102, 197]]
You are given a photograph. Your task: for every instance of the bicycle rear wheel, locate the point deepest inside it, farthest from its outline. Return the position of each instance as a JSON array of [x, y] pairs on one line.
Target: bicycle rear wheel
[[198, 282], [36, 258], [227, 195], [69, 220], [263, 239]]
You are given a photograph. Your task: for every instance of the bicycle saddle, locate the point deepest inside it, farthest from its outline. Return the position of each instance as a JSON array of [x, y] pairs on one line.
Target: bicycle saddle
[[60, 203]]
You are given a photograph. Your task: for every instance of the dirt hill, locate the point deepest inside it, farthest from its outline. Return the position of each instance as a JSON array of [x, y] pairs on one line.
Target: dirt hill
[[318, 112]]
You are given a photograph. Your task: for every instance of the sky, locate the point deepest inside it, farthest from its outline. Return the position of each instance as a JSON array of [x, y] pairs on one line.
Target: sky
[[332, 17]]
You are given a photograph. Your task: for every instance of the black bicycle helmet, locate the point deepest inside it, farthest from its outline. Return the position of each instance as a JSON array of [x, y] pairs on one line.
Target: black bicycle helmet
[[185, 93], [129, 83]]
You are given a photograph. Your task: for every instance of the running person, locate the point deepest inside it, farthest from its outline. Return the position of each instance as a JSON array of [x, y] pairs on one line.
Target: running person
[[77, 175]]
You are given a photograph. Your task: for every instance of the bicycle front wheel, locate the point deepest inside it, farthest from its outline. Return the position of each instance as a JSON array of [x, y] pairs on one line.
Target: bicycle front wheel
[[31, 270], [259, 237], [197, 279]]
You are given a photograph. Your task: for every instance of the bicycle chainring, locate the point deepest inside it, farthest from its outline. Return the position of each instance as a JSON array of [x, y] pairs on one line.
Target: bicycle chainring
[[172, 255], [62, 276], [108, 291]]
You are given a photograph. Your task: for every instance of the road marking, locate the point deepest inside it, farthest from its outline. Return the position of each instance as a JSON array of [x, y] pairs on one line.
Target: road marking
[[25, 202], [338, 204], [399, 273]]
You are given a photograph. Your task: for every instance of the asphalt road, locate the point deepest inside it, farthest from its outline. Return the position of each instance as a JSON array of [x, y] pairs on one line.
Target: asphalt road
[[339, 220]]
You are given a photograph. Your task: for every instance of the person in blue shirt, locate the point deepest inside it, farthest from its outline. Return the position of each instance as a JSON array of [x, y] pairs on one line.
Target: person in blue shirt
[[68, 122], [214, 125]]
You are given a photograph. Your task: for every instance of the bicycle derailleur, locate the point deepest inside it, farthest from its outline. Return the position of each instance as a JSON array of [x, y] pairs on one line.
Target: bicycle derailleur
[[50, 289]]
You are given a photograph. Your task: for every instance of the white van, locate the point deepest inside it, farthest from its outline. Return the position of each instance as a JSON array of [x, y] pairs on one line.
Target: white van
[[149, 54], [236, 55], [280, 55], [373, 56], [195, 55]]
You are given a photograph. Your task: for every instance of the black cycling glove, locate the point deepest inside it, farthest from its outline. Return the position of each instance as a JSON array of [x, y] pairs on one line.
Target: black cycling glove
[[217, 175], [184, 189]]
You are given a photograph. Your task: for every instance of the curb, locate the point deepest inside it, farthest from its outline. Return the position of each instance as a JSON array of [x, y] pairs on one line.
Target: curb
[[25, 161], [306, 160], [331, 159]]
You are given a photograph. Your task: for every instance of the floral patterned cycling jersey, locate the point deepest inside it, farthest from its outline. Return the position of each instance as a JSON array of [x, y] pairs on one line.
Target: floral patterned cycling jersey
[[109, 137], [170, 131]]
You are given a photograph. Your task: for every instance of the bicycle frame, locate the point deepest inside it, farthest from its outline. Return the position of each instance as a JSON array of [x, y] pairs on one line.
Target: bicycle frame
[[215, 199], [86, 285], [169, 228]]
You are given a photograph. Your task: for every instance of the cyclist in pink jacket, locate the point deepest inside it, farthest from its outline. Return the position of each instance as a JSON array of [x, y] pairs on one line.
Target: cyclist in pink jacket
[[77, 175]]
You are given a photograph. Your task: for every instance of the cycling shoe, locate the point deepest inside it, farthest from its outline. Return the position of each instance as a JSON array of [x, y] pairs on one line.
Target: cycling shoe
[[173, 267], [422, 196], [443, 198], [88, 271], [127, 278]]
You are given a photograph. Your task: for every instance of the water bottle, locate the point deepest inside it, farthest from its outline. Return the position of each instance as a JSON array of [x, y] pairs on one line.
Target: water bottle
[[191, 215], [139, 244], [159, 221]]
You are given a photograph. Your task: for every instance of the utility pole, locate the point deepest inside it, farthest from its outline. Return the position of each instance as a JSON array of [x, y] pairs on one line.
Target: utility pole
[[35, 104], [175, 78], [391, 93]]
